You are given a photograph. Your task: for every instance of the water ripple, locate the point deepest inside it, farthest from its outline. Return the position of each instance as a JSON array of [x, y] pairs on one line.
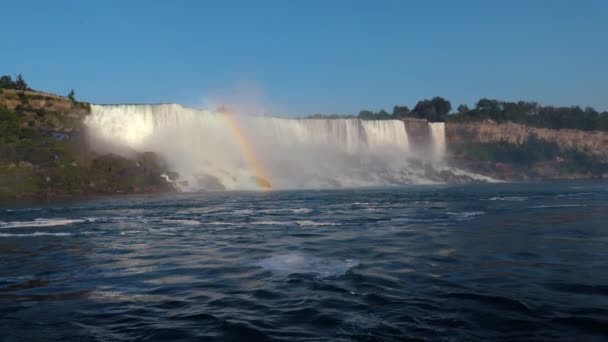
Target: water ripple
[[521, 261]]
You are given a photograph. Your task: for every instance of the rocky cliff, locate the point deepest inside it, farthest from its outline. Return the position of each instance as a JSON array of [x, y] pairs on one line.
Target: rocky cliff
[[594, 142], [515, 151]]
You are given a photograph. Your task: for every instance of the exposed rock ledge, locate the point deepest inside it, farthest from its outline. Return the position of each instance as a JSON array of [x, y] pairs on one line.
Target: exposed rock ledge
[[594, 143]]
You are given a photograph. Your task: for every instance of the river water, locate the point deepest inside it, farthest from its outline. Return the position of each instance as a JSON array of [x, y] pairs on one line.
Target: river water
[[512, 261]]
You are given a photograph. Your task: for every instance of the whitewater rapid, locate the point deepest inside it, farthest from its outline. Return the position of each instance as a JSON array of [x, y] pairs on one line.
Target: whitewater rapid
[[216, 151]]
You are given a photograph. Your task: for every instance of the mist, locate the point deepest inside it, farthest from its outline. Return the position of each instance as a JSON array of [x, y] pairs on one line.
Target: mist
[[218, 151]]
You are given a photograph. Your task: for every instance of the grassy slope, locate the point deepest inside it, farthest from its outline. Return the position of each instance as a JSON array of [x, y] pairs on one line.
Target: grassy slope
[[44, 153]]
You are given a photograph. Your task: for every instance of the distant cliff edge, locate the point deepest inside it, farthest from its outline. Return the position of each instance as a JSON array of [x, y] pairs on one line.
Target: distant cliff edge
[[512, 151]]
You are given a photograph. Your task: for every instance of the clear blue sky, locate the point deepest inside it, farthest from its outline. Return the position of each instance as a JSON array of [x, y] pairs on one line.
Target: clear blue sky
[[310, 56]]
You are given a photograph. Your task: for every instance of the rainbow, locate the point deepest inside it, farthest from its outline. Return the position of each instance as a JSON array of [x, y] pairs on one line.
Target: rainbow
[[248, 151]]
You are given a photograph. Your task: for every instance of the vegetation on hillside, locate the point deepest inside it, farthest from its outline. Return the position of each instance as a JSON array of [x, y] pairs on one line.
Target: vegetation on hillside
[[6, 82], [44, 153], [533, 114], [434, 110]]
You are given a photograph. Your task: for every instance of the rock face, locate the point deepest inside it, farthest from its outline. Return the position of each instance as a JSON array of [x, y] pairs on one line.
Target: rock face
[[594, 143], [512, 151]]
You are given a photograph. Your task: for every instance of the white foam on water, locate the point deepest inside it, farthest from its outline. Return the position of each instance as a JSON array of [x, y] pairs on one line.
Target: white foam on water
[[243, 211], [220, 223], [507, 198], [297, 222], [291, 263], [465, 215], [153, 220], [407, 219], [578, 194], [472, 176], [291, 210], [315, 223], [556, 206], [182, 222], [23, 210], [272, 223], [132, 232], [39, 222], [34, 234]]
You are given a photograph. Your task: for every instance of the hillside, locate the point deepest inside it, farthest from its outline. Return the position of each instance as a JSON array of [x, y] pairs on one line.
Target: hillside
[[44, 153]]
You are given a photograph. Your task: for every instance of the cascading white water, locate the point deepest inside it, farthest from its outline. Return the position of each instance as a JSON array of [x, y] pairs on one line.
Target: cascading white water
[[380, 133], [437, 134], [206, 149]]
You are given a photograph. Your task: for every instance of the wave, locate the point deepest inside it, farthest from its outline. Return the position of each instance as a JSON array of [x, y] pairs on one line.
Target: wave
[[507, 198], [497, 301], [39, 222], [271, 223], [34, 234], [547, 206], [314, 223], [291, 223], [468, 175], [465, 215], [292, 263], [577, 194], [407, 219], [290, 210], [272, 211], [220, 223], [243, 211], [184, 222]]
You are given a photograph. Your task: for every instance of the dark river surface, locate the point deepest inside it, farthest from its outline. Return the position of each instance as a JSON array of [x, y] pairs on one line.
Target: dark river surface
[[511, 261]]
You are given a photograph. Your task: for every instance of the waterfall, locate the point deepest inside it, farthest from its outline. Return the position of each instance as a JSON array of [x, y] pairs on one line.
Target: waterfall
[[381, 133], [215, 150], [437, 136]]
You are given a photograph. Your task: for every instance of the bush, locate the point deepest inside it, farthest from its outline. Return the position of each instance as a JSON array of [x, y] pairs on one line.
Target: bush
[[532, 114]]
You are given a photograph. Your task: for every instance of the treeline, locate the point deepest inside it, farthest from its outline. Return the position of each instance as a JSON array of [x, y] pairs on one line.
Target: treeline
[[434, 110], [533, 114], [529, 113], [6, 82]]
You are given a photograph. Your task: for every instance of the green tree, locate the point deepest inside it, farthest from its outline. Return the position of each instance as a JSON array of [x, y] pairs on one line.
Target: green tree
[[424, 109], [366, 115], [434, 110], [488, 104], [442, 107], [463, 108], [20, 83], [6, 82], [71, 95], [400, 112], [382, 115]]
